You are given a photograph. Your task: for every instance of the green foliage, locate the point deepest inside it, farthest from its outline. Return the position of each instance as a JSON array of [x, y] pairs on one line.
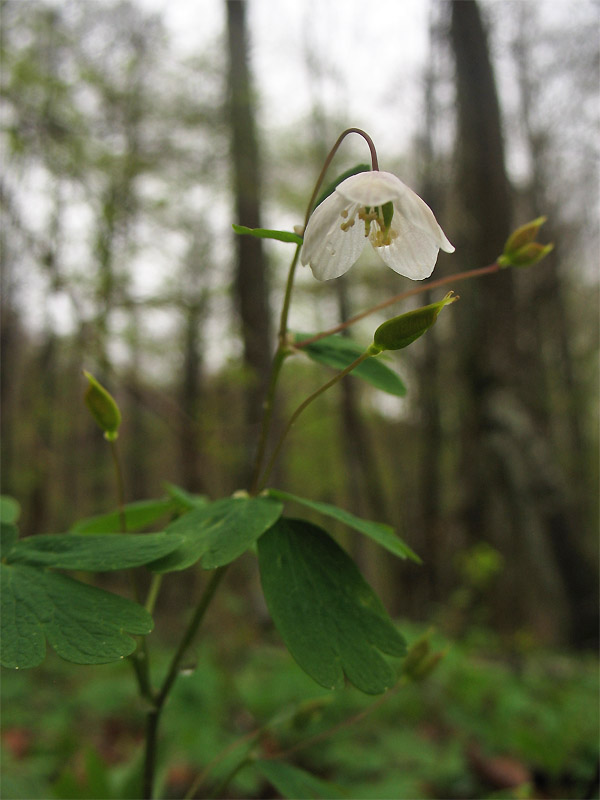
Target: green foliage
[[82, 623], [340, 351], [328, 616], [138, 515], [95, 553], [539, 707], [263, 233], [219, 532], [384, 535], [295, 783]]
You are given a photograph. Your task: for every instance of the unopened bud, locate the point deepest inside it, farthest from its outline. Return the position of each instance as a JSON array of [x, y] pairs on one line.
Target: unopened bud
[[103, 408], [521, 249]]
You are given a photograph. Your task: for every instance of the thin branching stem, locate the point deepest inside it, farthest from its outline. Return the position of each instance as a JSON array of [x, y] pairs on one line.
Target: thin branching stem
[[301, 408], [424, 287]]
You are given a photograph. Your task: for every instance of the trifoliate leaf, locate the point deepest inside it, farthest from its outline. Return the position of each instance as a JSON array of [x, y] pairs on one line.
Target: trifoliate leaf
[[82, 624], [384, 535], [264, 233], [340, 351], [330, 619], [219, 532], [401, 331]]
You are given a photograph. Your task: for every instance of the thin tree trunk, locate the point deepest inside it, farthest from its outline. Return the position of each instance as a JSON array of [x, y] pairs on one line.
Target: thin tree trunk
[[251, 282]]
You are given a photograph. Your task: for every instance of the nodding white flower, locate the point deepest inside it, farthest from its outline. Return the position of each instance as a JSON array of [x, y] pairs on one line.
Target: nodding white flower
[[376, 206]]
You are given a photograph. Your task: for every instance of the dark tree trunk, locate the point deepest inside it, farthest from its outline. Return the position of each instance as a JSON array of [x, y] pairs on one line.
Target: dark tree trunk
[[251, 283], [511, 492]]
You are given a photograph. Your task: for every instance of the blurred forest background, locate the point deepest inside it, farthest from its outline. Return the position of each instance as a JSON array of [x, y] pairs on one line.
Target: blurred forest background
[[127, 156], [125, 162]]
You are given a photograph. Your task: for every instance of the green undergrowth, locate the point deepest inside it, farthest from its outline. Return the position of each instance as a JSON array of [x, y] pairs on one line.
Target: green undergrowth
[[77, 733]]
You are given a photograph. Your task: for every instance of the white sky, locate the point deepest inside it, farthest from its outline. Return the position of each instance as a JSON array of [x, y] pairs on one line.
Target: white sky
[[368, 54]]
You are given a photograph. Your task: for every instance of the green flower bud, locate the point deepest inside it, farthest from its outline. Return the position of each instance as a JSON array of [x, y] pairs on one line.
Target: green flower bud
[[103, 408], [401, 331], [521, 249]]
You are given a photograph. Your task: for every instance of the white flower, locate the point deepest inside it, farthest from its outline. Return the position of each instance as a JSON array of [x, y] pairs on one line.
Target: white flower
[[378, 206]]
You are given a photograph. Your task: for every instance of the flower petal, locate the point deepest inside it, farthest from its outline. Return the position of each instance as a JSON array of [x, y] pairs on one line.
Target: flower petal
[[327, 249], [418, 213], [371, 188], [412, 253]]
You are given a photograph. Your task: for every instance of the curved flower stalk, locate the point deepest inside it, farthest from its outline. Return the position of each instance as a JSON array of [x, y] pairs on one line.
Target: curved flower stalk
[[376, 206]]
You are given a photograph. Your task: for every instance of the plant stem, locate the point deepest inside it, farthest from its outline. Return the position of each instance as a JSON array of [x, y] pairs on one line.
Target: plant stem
[[153, 717], [329, 159], [301, 408], [283, 348], [155, 584], [424, 287], [120, 484]]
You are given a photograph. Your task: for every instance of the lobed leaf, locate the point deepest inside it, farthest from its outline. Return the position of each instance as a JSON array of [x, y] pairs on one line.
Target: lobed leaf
[[340, 351], [96, 553], [82, 624], [383, 534], [219, 532], [330, 619]]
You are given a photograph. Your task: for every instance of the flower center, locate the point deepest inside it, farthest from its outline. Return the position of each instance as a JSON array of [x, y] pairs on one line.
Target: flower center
[[380, 217]]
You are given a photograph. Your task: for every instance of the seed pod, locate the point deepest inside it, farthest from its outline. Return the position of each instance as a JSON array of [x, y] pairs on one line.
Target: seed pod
[[401, 331]]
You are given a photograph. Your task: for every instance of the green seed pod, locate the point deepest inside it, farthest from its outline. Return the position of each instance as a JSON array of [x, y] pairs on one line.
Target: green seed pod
[[103, 408], [401, 331]]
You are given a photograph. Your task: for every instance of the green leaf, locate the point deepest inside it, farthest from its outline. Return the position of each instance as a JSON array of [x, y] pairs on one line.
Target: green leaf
[[331, 187], [264, 233], [383, 534], [138, 515], [94, 553], [185, 500], [83, 624], [8, 537], [295, 783], [330, 619], [10, 510], [340, 351], [399, 332], [219, 532]]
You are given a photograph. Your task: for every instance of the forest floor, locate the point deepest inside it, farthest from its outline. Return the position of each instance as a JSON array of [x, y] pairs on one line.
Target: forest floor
[[489, 722]]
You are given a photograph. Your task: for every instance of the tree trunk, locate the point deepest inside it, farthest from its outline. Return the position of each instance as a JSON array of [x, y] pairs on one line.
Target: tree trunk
[[251, 284]]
